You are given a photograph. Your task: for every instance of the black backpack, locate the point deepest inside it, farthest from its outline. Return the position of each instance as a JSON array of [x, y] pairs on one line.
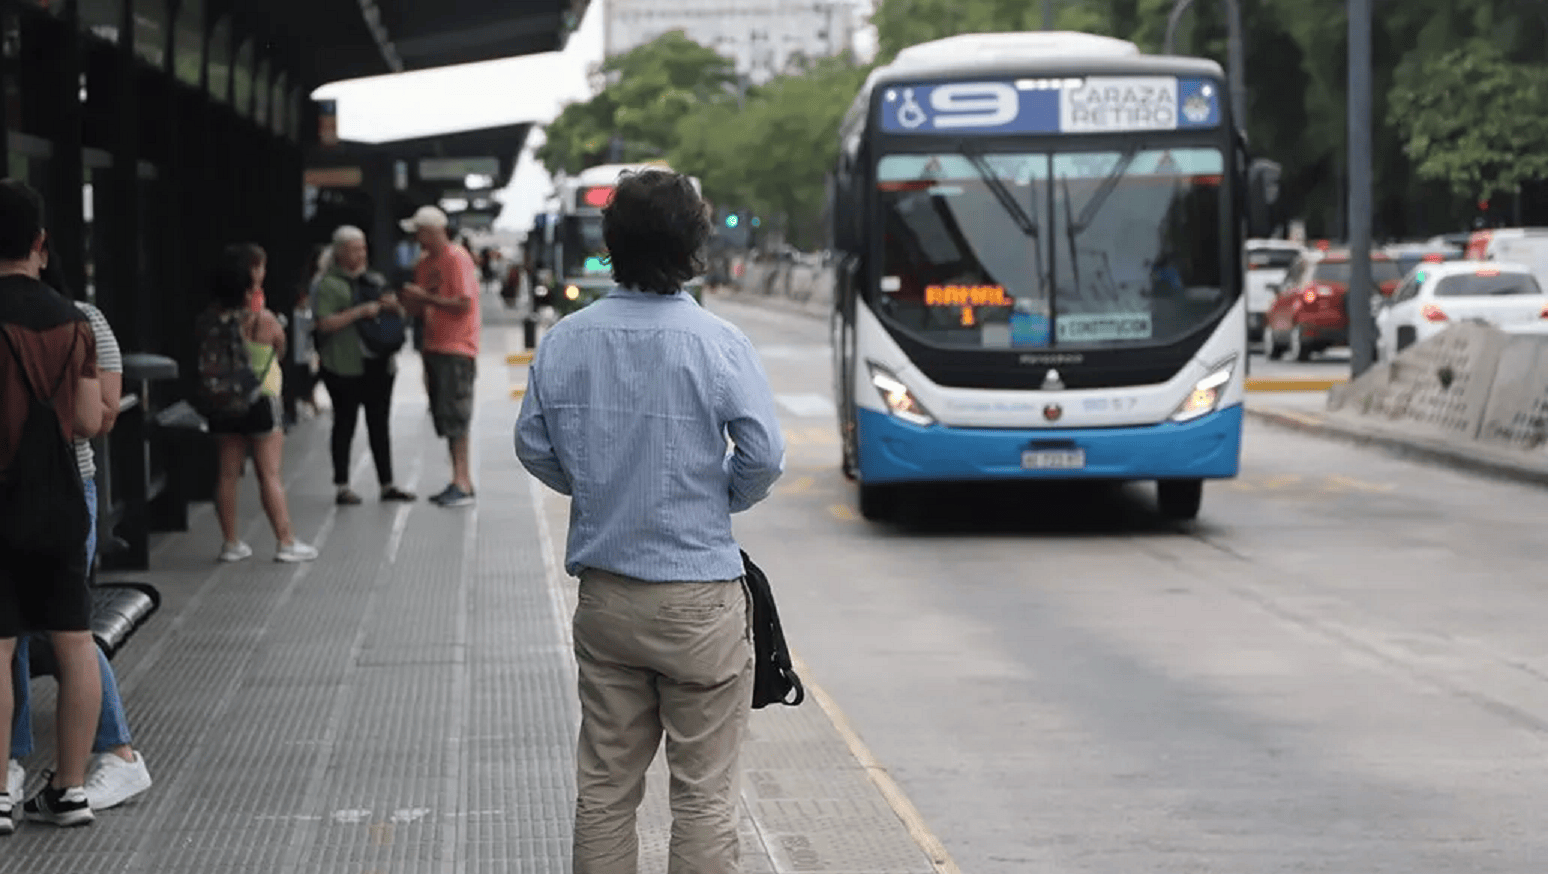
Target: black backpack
[[227, 386], [774, 677], [42, 501], [384, 335]]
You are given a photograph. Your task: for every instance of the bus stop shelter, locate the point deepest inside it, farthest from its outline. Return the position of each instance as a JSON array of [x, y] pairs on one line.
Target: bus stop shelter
[[371, 185], [160, 131]]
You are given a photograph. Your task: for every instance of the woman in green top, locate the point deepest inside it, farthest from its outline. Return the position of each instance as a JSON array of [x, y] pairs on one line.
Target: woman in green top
[[261, 429], [355, 375]]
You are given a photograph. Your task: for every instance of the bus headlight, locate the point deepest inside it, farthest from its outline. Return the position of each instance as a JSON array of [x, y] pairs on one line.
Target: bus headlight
[[1206, 394], [572, 292], [899, 400]]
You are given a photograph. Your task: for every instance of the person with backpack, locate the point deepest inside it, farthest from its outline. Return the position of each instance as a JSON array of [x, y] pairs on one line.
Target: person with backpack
[[50, 394], [117, 771], [239, 393], [362, 328]]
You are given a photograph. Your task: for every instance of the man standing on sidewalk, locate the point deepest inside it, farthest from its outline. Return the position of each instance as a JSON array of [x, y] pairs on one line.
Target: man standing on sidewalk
[[629, 406], [445, 291], [49, 366]]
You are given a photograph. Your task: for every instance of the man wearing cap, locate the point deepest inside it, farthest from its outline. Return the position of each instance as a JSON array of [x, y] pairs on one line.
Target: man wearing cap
[[445, 290]]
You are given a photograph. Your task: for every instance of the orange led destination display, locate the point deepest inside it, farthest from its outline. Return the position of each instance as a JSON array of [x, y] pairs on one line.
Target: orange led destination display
[[966, 296]]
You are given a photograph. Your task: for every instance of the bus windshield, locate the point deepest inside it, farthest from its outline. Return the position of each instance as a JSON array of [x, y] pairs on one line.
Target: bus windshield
[[584, 249], [1126, 249]]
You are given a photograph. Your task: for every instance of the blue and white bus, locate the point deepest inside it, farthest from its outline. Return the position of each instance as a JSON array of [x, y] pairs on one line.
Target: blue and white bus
[[1038, 242]]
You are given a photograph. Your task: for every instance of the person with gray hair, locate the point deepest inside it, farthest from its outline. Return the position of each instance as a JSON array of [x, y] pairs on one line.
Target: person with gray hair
[[360, 326]]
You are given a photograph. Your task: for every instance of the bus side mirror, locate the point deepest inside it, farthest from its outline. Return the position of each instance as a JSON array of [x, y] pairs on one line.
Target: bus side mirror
[[1262, 197]]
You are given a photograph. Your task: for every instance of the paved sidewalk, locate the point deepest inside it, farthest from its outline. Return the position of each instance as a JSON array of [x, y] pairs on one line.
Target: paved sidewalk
[[1307, 411], [406, 703]]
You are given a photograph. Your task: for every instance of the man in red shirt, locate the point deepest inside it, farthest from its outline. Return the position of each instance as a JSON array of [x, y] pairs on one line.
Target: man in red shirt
[[445, 290]]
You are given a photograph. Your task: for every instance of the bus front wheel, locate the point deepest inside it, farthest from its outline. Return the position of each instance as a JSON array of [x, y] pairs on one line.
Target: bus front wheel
[[877, 503], [1180, 498]]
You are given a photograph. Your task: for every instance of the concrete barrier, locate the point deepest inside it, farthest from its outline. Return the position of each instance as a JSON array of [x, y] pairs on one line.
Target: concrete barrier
[[1472, 385]]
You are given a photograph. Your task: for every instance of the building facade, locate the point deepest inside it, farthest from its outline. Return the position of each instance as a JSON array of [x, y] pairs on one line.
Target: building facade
[[764, 37]]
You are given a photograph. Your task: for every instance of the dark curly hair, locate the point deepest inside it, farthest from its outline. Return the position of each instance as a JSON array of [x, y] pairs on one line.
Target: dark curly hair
[[232, 277], [656, 228]]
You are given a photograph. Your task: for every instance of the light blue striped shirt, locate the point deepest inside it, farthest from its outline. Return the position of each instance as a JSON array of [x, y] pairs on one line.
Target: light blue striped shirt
[[629, 406]]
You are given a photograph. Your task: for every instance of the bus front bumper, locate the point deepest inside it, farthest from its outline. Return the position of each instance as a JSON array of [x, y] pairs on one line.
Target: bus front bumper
[[894, 451]]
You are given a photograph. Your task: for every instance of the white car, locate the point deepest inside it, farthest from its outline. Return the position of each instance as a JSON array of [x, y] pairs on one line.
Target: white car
[[1266, 261], [1434, 297]]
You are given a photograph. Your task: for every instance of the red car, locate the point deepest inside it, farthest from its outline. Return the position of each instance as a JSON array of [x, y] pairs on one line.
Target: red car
[[1309, 313]]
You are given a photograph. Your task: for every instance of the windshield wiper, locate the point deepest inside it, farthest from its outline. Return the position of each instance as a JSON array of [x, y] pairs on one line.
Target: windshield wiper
[[1098, 199], [997, 187], [1073, 226], [1011, 205]]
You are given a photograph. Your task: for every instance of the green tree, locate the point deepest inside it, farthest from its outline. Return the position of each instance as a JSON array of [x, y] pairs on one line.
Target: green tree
[[1473, 120], [773, 154], [650, 89]]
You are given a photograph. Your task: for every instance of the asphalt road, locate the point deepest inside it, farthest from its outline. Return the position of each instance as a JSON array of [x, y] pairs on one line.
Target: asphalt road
[[1341, 667]]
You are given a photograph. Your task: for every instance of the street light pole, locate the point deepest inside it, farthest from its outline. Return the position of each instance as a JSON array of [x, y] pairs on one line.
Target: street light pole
[[1235, 65], [1362, 328], [1048, 14]]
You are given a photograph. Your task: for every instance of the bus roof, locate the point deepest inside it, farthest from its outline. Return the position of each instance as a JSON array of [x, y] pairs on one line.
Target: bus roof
[[1033, 53], [607, 174], [1015, 47]]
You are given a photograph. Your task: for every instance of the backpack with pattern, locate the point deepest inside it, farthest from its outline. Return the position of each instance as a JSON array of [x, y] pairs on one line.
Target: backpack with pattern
[[227, 385]]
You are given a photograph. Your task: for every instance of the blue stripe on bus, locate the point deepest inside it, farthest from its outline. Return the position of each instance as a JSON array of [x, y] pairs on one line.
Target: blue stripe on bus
[[892, 450]]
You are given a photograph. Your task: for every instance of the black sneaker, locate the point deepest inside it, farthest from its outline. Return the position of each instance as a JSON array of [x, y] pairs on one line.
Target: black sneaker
[[62, 807], [393, 493], [7, 815], [440, 496], [347, 498], [454, 497]]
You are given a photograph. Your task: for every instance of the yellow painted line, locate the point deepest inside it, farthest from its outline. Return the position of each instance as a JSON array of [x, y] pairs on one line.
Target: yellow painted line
[[896, 799], [841, 513], [1309, 419], [1264, 383], [800, 484], [1348, 482], [1282, 480], [518, 392], [517, 359]]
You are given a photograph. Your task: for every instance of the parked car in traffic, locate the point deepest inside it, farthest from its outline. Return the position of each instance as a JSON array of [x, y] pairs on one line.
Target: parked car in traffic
[[1433, 297], [1309, 313], [1267, 262], [1411, 255]]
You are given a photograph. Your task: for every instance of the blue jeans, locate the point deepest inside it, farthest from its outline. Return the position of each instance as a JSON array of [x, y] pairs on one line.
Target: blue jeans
[[113, 724]]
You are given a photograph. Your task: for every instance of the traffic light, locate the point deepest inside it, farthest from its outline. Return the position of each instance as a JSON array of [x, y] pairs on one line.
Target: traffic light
[[732, 220]]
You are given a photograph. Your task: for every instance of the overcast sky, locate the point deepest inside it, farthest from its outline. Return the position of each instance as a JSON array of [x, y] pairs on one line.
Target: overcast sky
[[533, 88]]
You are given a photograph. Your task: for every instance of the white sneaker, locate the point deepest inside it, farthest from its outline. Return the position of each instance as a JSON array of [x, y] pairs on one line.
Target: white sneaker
[[11, 801], [110, 781], [295, 551], [235, 551]]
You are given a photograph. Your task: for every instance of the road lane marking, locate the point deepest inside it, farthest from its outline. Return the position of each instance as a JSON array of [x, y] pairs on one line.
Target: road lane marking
[[810, 437], [807, 405], [518, 359], [1255, 383], [798, 485], [1341, 483], [841, 512], [939, 858]]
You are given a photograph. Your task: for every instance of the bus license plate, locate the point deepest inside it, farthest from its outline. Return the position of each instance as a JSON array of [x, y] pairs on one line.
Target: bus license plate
[[1053, 459]]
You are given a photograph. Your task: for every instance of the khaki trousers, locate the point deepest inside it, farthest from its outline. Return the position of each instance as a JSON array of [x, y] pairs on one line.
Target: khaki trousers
[[656, 659]]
